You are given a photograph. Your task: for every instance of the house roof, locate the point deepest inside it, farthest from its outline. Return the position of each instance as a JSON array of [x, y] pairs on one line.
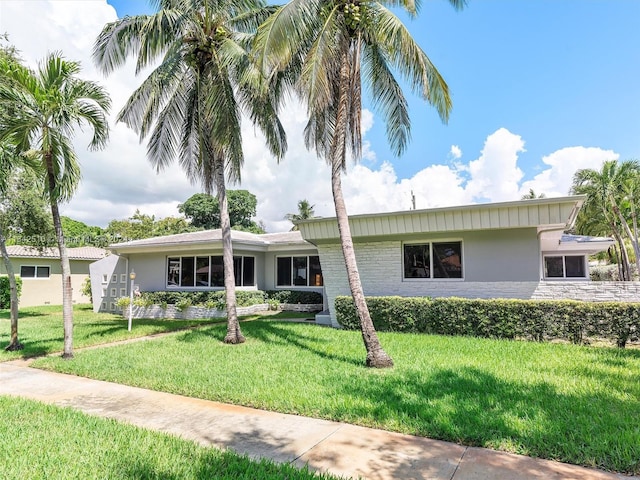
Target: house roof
[[78, 253], [204, 238], [562, 242], [545, 214]]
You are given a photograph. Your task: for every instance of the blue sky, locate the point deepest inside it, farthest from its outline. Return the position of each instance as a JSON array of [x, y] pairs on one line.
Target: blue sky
[[540, 88], [557, 72]]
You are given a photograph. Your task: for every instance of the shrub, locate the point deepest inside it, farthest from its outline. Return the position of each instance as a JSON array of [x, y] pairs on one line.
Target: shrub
[[209, 299], [294, 296], [5, 291], [500, 318]]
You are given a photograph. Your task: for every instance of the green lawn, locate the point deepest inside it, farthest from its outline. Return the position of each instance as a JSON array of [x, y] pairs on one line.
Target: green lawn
[[564, 402], [41, 441], [40, 329]]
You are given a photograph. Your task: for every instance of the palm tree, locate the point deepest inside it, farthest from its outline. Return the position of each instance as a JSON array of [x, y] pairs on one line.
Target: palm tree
[[46, 106], [532, 195], [605, 191], [191, 104], [305, 211], [334, 46]]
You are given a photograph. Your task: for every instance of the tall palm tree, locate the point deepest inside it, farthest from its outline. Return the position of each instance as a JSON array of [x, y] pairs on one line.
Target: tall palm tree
[[336, 46], [191, 103], [605, 191], [305, 211], [46, 107]]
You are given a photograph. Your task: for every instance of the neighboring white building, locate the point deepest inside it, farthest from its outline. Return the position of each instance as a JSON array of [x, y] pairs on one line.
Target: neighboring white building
[[497, 250], [41, 272]]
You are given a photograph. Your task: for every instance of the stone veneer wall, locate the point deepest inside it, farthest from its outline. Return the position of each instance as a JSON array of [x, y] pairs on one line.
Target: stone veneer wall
[[588, 291], [190, 313]]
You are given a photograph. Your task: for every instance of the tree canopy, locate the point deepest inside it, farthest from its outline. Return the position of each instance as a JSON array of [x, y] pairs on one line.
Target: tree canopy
[[203, 211]]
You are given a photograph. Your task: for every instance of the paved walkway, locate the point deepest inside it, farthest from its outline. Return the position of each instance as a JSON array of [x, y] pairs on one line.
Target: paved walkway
[[340, 448]]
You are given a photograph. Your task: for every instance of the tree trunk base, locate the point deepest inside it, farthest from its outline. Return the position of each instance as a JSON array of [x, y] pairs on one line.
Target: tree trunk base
[[14, 347], [67, 356], [379, 359], [234, 339]]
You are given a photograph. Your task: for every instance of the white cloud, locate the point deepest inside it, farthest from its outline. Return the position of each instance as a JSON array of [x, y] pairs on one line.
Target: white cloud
[[556, 180], [120, 179]]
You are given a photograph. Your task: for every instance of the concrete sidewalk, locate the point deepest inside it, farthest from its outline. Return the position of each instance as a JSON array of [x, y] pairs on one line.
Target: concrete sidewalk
[[339, 448]]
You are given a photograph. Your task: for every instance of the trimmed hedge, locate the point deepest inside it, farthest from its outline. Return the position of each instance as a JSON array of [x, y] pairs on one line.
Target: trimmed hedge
[[5, 291], [294, 296], [539, 320], [244, 298]]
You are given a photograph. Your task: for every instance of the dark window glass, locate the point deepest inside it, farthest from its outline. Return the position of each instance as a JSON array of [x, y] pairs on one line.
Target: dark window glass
[[574, 266], [553, 267], [217, 271], [173, 272], [447, 260], [248, 272], [300, 271], [315, 272], [27, 272], [237, 270], [187, 272], [42, 272], [202, 271], [283, 274], [416, 261]]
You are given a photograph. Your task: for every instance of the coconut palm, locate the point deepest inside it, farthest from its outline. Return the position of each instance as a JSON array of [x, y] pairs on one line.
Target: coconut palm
[[46, 107], [606, 191], [336, 46], [305, 211], [190, 105]]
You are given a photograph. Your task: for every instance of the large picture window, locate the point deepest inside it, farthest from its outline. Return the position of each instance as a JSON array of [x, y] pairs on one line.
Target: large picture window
[[565, 266], [432, 260], [303, 271], [34, 271], [208, 271]]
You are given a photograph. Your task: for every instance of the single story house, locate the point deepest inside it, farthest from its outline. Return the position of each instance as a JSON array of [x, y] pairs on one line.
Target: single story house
[[41, 272], [495, 250]]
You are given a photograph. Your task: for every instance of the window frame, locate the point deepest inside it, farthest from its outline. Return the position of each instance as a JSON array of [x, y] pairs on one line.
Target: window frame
[[240, 279], [35, 272], [310, 282], [585, 266], [431, 243]]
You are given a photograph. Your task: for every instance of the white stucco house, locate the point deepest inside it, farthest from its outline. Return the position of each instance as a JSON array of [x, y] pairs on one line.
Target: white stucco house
[[495, 250], [41, 272]]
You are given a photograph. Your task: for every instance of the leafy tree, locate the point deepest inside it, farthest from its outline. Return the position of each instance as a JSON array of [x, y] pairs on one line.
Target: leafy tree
[[305, 211], [46, 106], [332, 47], [141, 225], [79, 234], [204, 210], [191, 103]]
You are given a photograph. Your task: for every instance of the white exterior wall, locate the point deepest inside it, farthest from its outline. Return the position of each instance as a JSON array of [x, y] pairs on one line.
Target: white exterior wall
[[380, 267]]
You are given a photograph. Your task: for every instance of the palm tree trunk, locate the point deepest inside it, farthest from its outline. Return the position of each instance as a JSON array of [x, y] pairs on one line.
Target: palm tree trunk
[[376, 356], [634, 241], [67, 291], [624, 257], [14, 343], [234, 335]]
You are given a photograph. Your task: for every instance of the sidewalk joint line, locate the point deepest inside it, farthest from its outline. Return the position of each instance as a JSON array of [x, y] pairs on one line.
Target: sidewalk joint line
[[459, 462]]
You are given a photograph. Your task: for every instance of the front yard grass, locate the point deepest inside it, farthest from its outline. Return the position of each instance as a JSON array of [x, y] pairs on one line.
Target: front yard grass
[[40, 329], [568, 403], [42, 441]]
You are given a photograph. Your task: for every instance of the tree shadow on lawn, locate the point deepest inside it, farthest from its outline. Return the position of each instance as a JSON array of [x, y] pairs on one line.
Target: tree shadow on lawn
[[472, 407]]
